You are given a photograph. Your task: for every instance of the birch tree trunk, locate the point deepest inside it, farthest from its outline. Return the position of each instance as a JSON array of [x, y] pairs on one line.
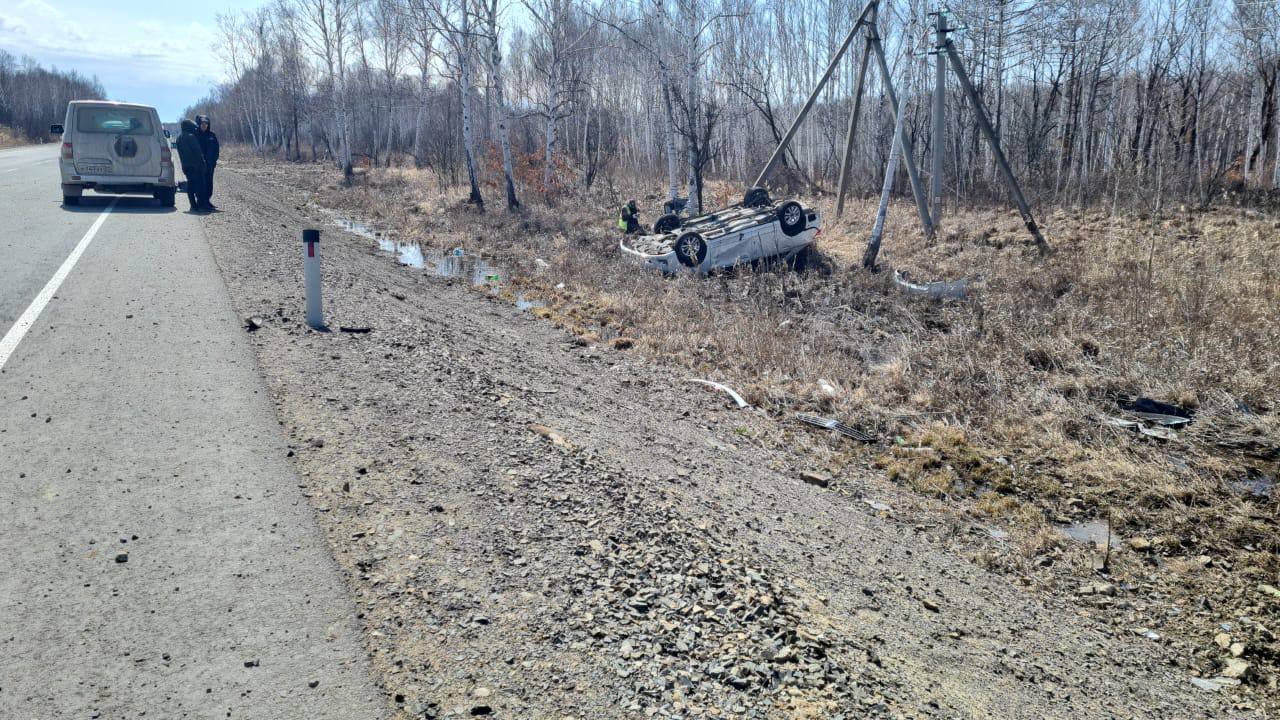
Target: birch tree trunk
[[424, 86], [499, 98], [549, 144], [691, 109], [669, 117], [464, 86]]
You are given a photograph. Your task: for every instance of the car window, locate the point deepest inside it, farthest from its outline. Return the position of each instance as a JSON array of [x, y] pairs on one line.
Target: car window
[[114, 121]]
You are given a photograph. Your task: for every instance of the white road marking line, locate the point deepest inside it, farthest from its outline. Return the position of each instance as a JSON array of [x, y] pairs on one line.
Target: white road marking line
[[28, 318]]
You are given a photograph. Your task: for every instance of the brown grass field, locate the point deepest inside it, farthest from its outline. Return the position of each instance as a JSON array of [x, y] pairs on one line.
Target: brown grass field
[[10, 139], [995, 407]]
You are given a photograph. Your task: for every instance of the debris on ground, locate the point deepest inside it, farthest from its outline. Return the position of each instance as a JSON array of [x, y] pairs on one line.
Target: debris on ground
[[554, 436], [1161, 413], [1159, 432], [820, 479], [939, 290], [737, 399], [839, 427]]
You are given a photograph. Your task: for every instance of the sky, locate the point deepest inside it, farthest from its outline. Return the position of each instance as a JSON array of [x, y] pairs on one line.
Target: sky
[[141, 51]]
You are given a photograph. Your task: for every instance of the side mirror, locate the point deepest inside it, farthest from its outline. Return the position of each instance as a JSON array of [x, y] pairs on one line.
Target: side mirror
[[55, 129], [166, 134]]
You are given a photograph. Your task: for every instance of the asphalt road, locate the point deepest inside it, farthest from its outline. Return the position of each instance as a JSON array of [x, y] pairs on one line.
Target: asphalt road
[[159, 559]]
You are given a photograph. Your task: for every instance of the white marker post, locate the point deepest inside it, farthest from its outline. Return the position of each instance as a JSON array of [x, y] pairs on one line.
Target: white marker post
[[311, 269]]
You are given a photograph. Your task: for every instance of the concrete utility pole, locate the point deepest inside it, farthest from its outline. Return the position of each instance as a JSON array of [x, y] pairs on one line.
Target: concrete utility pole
[[847, 161], [890, 169], [993, 140], [939, 112], [922, 204], [817, 89]]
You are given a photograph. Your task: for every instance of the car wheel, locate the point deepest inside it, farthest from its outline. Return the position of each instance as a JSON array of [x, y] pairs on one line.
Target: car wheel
[[70, 200], [691, 249], [791, 218], [666, 223], [755, 197], [166, 197]]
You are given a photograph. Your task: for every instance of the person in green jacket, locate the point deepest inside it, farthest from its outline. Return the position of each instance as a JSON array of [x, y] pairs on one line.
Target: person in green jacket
[[629, 219]]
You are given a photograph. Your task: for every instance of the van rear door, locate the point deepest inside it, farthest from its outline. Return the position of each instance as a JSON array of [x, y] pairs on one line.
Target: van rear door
[[114, 140]]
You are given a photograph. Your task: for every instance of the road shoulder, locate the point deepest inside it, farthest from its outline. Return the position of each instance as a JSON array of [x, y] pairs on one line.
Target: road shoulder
[[160, 556]]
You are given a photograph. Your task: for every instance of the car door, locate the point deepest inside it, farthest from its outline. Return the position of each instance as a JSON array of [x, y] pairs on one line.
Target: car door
[[116, 141]]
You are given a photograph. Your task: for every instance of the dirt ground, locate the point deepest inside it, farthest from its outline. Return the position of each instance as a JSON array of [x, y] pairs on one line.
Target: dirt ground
[[540, 524]]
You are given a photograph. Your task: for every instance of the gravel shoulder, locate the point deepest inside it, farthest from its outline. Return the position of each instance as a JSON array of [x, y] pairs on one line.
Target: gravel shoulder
[[535, 527]]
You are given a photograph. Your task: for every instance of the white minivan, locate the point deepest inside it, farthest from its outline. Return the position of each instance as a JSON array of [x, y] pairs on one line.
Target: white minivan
[[113, 147]]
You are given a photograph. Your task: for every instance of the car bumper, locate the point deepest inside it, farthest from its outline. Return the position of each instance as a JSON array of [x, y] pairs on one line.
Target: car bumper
[[117, 183], [666, 262]]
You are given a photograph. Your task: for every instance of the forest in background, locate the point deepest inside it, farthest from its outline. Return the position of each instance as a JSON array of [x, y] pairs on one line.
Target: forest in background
[[1135, 102], [32, 97]]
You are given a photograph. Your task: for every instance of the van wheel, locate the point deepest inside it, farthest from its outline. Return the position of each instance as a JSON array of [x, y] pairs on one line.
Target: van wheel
[[791, 218], [166, 196], [70, 199], [666, 223]]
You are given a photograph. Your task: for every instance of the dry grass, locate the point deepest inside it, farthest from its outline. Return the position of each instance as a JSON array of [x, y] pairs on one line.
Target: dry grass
[[996, 404], [8, 138]]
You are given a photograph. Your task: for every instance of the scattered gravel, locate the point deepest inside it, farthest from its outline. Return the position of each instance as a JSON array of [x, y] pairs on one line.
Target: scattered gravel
[[534, 527]]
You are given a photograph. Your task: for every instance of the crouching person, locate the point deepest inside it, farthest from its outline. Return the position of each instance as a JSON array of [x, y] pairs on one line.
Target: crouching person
[[629, 218]]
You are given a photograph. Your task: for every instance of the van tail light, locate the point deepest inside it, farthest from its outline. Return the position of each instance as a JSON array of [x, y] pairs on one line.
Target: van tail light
[[66, 151], [166, 156]]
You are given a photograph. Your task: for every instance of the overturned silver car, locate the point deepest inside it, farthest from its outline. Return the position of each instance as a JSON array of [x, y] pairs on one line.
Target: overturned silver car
[[758, 228]]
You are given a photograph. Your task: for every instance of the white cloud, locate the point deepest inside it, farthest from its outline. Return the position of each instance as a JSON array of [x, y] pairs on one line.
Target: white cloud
[[131, 55]]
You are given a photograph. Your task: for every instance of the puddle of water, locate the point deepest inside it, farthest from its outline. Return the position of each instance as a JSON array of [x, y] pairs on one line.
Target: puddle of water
[[448, 264], [1091, 532], [522, 303], [410, 255]]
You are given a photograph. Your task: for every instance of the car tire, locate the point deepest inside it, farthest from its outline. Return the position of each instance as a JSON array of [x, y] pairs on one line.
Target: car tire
[[755, 197], [666, 223], [791, 218], [166, 197], [691, 249], [70, 199]]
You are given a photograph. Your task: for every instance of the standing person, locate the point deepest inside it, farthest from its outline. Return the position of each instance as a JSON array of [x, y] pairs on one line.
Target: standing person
[[191, 158], [209, 145]]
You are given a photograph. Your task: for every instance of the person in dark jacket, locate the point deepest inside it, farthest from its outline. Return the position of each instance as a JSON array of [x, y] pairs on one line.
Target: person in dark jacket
[[209, 144], [629, 218], [191, 157]]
